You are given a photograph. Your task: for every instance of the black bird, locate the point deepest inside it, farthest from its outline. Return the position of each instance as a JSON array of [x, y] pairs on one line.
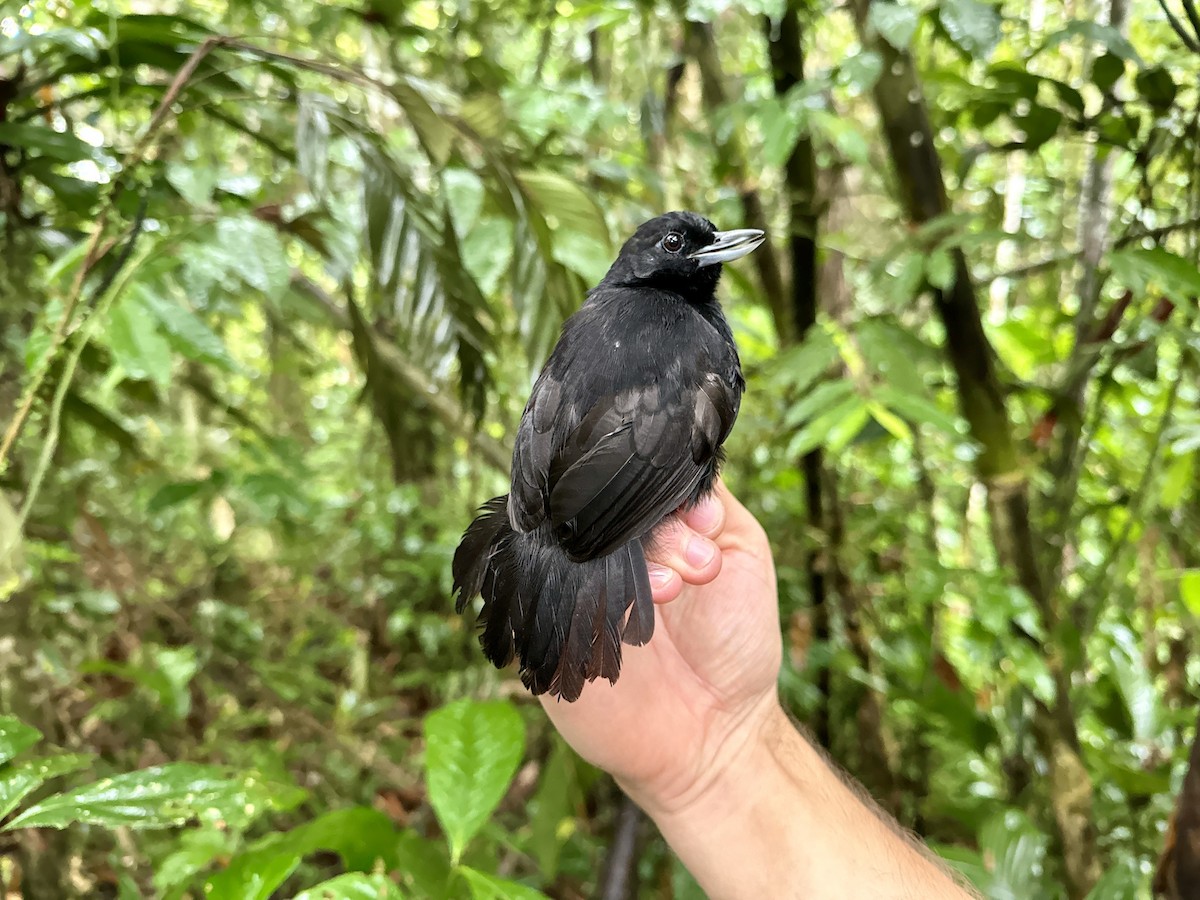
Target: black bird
[[624, 426]]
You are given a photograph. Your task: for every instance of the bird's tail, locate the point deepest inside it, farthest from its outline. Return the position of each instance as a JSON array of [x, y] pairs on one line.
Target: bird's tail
[[564, 621]]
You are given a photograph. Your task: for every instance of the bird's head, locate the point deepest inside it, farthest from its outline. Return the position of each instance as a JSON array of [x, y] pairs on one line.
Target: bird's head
[[680, 252]]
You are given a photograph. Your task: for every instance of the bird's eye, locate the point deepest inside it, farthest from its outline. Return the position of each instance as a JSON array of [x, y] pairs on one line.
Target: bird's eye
[[673, 242]]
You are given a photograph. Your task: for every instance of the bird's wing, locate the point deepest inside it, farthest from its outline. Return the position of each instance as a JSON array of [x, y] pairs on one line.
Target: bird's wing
[[545, 416], [633, 459]]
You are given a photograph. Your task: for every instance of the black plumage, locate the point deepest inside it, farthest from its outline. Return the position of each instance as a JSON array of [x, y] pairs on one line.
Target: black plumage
[[624, 426]]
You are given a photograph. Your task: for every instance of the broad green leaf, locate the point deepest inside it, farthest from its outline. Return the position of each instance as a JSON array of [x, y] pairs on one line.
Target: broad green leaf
[[464, 197], [194, 852], [848, 427], [819, 431], [424, 865], [1015, 849], [359, 835], [896, 23], [137, 344], [940, 269], [1040, 124], [472, 752], [158, 797], [889, 420], [62, 146], [435, 133], [583, 254], [186, 331], [1091, 30], [918, 408], [353, 886], [254, 251], [820, 399], [1189, 590], [1179, 475], [843, 133], [860, 71], [1141, 267], [195, 182], [799, 367], [1135, 683], [12, 550], [18, 780], [15, 737], [972, 25], [552, 820], [1106, 70], [1157, 87], [175, 493], [564, 202], [490, 887]]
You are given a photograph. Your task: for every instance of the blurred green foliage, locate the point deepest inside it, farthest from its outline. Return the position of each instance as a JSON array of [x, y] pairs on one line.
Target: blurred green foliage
[[263, 351]]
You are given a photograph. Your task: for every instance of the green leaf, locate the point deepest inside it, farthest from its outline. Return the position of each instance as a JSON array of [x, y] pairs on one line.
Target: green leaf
[[425, 865], [175, 493], [353, 886], [62, 146], [15, 737], [1040, 124], [489, 887], [893, 22], [919, 409], [472, 752], [820, 399], [861, 71], [359, 835], [136, 343], [254, 251], [158, 797], [797, 368], [1015, 849], [19, 780], [187, 332], [1189, 590], [1157, 88], [1093, 31], [194, 852], [973, 26], [895, 426], [565, 204], [435, 133], [939, 269], [1106, 70], [1140, 267], [821, 429], [552, 810]]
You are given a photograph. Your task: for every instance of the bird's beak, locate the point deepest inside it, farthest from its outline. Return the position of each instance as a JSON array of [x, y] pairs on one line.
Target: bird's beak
[[729, 245]]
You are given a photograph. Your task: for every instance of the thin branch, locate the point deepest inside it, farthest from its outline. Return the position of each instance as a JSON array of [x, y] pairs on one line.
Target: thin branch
[[1189, 7], [107, 296], [619, 881]]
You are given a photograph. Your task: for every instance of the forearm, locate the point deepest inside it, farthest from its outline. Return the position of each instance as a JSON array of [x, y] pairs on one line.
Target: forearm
[[777, 821]]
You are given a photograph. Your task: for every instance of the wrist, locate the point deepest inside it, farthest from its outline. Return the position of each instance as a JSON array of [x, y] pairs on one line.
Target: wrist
[[729, 753]]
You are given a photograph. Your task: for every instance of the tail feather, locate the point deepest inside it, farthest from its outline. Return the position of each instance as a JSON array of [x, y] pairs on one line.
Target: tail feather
[[563, 620]]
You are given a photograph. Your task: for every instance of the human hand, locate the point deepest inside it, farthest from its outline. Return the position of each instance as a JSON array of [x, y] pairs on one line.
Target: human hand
[[705, 685]]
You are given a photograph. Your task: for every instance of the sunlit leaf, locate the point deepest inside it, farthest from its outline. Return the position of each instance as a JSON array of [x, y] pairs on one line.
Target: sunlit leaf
[[896, 23], [19, 780], [15, 737], [137, 344], [1189, 590], [158, 797], [472, 752], [972, 25], [562, 200], [41, 140], [1138, 268], [490, 887], [353, 886]]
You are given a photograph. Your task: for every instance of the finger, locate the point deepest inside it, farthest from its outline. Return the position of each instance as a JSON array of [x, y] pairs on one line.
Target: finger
[[707, 517], [691, 556], [665, 583]]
